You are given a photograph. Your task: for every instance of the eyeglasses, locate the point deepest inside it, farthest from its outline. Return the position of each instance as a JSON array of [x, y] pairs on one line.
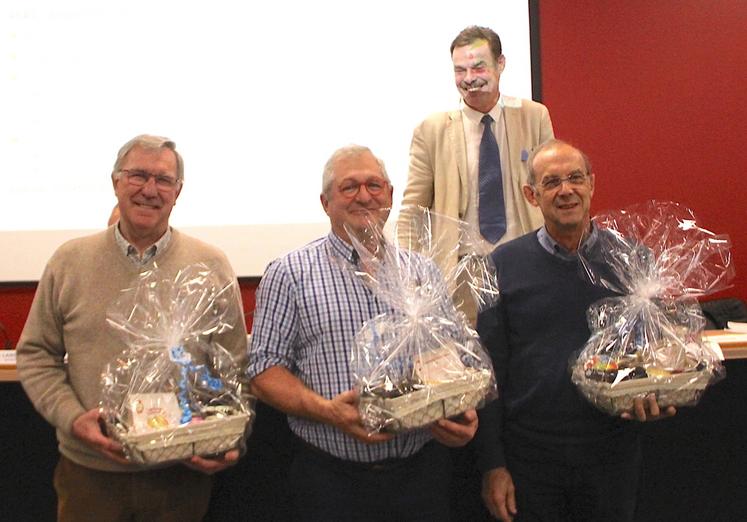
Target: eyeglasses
[[553, 182], [374, 187], [138, 178]]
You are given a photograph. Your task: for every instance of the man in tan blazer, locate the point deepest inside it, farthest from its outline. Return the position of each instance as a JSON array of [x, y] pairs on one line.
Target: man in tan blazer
[[444, 154]]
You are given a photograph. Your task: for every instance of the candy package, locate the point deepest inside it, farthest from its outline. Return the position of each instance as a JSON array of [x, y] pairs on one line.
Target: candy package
[[421, 361], [176, 391], [649, 339]]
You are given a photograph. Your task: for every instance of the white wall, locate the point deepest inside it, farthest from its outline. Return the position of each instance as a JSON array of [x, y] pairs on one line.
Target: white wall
[[256, 97]]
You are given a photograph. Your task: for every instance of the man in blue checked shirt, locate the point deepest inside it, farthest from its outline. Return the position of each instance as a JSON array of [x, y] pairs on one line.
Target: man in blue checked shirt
[[309, 308]]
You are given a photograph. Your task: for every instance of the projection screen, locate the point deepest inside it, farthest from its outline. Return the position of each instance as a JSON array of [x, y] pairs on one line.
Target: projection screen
[[255, 95]]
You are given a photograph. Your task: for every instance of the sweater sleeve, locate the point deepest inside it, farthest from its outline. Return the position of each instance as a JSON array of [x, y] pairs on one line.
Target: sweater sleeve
[[40, 358], [234, 340], [488, 440]]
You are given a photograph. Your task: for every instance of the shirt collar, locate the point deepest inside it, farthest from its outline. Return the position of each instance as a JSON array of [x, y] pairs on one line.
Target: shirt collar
[[556, 249], [132, 253], [476, 116], [342, 248]]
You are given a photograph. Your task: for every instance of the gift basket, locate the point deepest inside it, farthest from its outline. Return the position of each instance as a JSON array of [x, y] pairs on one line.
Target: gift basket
[[419, 362], [175, 392], [649, 339]]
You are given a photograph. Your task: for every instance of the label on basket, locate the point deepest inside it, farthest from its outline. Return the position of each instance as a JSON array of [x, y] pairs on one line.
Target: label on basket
[[152, 411], [437, 366]]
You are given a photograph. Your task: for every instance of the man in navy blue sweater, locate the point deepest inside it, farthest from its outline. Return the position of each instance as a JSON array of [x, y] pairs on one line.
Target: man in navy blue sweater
[[546, 453]]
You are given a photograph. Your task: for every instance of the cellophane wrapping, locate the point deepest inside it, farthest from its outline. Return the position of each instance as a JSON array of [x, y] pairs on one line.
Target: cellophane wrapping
[[648, 340], [175, 391], [421, 361]]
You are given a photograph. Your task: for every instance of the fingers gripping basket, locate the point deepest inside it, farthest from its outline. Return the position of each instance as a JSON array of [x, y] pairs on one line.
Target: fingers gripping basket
[[684, 389]]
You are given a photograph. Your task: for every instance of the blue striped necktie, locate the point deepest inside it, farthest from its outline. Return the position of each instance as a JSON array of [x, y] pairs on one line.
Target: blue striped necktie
[[491, 206]]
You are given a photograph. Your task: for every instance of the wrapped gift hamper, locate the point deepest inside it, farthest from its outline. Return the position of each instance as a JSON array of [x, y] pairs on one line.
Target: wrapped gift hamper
[[649, 339], [420, 362], [176, 391]]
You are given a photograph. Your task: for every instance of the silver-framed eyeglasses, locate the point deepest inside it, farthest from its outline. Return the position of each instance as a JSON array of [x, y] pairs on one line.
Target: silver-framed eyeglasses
[[138, 178], [574, 178], [374, 187]]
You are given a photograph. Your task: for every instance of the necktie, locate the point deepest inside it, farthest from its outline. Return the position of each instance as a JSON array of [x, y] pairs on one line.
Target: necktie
[[491, 207]]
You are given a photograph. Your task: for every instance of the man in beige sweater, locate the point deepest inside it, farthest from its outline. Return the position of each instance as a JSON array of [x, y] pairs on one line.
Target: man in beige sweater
[[93, 480]]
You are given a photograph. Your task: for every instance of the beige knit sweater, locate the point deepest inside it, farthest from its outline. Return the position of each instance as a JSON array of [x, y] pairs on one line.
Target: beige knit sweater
[[68, 316]]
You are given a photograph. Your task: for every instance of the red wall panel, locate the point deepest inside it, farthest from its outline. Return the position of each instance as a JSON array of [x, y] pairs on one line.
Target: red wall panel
[[15, 302], [654, 92]]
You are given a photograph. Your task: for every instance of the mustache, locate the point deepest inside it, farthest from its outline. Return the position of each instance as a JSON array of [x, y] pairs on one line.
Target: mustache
[[477, 82]]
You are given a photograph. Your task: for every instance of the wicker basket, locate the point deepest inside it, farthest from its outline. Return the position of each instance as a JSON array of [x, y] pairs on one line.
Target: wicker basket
[[422, 407], [210, 437], [683, 389]]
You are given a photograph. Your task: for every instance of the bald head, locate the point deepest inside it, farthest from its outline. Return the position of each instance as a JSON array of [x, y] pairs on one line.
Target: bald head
[[550, 147]]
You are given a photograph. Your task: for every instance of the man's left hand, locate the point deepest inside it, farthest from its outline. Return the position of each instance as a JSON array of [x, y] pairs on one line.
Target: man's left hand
[[647, 409], [213, 464], [455, 432]]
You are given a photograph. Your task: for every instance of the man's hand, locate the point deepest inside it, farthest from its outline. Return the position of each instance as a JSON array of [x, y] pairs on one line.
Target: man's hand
[[455, 432], [498, 493], [213, 464], [278, 387], [648, 410], [87, 428], [343, 414]]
